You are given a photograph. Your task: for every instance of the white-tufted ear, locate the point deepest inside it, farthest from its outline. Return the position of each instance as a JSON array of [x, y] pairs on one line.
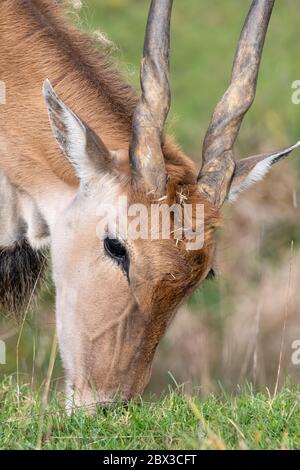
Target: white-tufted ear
[[80, 144], [253, 169]]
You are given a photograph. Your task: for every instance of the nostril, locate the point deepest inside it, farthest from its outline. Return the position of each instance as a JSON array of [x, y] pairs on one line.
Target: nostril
[[103, 407]]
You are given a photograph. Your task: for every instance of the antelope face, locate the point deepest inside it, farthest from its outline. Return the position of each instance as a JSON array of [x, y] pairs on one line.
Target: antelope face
[[115, 297], [117, 292]]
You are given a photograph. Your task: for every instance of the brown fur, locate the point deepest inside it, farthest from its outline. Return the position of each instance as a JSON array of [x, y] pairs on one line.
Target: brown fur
[[38, 43], [175, 271]]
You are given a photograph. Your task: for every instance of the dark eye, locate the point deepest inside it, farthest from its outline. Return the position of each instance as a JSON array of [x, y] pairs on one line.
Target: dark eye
[[116, 250]]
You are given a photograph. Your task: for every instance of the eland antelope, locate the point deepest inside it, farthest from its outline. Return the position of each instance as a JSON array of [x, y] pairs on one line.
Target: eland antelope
[[115, 295]]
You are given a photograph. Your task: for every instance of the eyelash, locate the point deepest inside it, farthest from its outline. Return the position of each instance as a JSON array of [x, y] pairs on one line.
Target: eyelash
[[117, 251]]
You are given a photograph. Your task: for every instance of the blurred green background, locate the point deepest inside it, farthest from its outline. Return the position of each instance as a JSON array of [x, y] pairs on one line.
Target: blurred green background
[[232, 328], [204, 38]]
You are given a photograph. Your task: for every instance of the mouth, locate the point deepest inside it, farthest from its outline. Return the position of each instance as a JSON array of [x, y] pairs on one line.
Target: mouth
[[93, 402]]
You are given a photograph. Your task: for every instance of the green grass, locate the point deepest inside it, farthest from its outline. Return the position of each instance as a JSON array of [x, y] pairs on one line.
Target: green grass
[[175, 421], [204, 36]]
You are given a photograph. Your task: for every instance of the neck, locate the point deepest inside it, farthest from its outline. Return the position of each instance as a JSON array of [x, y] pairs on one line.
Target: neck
[[52, 201], [31, 216], [36, 35]]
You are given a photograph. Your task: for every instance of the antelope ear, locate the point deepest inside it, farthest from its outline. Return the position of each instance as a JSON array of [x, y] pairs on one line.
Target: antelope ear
[[253, 169], [80, 144]]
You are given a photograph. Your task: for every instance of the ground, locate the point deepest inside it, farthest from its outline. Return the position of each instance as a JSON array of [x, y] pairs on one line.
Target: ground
[[204, 36], [174, 421]]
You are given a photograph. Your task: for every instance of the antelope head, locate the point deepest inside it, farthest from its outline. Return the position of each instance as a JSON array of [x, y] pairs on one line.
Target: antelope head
[[117, 292]]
